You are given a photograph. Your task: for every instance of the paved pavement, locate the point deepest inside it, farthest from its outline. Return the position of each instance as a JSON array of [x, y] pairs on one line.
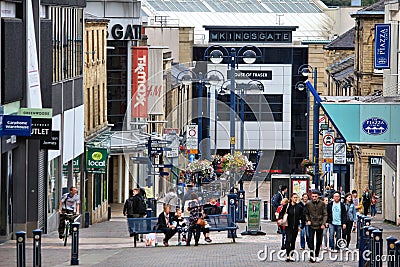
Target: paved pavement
[[108, 244]]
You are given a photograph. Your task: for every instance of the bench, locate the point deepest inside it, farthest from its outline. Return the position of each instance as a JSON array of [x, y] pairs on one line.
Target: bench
[[138, 226], [219, 222], [222, 222]]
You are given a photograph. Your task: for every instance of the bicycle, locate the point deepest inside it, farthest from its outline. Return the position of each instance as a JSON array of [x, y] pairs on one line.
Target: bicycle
[[69, 218]]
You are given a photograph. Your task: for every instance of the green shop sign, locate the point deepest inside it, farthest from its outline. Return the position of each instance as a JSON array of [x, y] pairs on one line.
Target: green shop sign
[[76, 164], [96, 160]]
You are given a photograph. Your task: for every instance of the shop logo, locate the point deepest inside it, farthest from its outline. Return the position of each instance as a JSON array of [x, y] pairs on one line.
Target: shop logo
[[97, 155], [374, 126]]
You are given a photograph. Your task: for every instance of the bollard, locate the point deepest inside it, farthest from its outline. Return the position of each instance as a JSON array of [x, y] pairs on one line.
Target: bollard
[[75, 244], [87, 219], [241, 206], [266, 210], [391, 261], [360, 225], [148, 222], [371, 245], [109, 212], [364, 245], [377, 252], [21, 261], [232, 211], [37, 248], [397, 252]]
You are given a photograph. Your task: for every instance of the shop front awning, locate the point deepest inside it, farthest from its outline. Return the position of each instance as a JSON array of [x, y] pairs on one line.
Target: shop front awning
[[362, 122]]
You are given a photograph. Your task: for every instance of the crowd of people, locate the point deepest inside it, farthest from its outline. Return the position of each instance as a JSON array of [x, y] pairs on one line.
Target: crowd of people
[[322, 220]]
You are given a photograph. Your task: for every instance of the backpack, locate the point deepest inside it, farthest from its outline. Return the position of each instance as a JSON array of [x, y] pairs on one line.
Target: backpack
[[142, 208], [276, 199]]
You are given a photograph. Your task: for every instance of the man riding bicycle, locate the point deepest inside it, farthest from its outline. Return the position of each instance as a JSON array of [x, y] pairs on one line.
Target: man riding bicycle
[[68, 204]]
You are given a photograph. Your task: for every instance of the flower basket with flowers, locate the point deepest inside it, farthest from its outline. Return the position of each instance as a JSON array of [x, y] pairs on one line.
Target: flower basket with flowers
[[306, 163], [236, 163], [203, 167]]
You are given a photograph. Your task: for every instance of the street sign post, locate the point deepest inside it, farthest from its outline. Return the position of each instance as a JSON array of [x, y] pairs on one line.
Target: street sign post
[[327, 145], [339, 151]]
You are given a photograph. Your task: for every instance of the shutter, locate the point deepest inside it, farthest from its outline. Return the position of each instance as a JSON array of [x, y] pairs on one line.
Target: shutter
[[42, 189]]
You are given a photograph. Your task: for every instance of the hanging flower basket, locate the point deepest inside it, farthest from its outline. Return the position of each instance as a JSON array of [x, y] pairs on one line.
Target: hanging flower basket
[[305, 163], [203, 167]]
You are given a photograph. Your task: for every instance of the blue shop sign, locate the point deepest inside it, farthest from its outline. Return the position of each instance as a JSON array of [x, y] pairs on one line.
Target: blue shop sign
[[16, 125], [382, 46], [374, 126]]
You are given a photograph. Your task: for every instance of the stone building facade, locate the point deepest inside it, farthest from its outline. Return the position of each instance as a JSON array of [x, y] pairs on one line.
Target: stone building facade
[[95, 99]]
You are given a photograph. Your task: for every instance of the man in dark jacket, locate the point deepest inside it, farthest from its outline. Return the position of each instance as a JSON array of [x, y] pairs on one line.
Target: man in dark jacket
[[316, 216], [166, 225], [294, 219], [337, 218]]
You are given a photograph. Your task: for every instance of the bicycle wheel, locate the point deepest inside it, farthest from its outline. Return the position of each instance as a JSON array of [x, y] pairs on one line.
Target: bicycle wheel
[[66, 232]]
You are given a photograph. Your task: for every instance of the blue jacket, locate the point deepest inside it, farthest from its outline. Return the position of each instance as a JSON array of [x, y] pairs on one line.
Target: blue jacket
[[351, 212]]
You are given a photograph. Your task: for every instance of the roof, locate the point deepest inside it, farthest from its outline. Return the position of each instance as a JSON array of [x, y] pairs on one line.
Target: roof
[[342, 69], [92, 18], [307, 15], [343, 42], [377, 8]]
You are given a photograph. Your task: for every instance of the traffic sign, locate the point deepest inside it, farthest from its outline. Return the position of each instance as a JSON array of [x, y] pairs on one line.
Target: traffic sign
[[162, 165], [159, 150], [327, 145], [339, 151], [192, 137], [327, 167], [160, 142]]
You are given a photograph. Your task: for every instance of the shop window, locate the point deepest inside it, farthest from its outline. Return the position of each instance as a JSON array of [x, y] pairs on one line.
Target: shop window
[[52, 185]]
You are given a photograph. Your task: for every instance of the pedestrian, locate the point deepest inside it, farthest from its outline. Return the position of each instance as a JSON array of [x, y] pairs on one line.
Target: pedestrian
[[366, 200], [281, 227], [304, 228], [342, 194], [325, 232], [277, 198], [351, 218], [165, 225], [337, 219], [171, 199], [316, 217], [356, 200], [135, 206], [295, 218], [373, 204]]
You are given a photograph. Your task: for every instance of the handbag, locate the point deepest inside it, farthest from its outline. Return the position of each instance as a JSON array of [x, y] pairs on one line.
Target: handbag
[[284, 220], [201, 222]]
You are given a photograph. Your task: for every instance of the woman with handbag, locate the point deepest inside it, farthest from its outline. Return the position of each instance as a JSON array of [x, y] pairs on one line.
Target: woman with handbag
[[197, 222], [281, 227], [291, 216]]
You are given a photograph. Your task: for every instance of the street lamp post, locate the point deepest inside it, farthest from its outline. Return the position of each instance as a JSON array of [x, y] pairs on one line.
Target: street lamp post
[[305, 70]]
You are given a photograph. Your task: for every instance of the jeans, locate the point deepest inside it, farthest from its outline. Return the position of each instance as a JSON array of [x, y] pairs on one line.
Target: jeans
[[283, 232], [373, 210], [334, 229], [304, 236], [325, 237]]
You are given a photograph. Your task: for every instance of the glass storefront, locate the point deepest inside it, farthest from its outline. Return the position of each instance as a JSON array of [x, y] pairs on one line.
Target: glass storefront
[[52, 185]]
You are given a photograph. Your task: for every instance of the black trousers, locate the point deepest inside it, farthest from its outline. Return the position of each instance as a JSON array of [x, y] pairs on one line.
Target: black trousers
[[168, 232], [317, 235], [195, 230], [61, 225], [366, 208], [347, 232], [291, 235]]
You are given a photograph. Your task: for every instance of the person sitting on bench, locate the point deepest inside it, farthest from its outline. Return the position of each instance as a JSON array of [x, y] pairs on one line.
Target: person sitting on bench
[[165, 225]]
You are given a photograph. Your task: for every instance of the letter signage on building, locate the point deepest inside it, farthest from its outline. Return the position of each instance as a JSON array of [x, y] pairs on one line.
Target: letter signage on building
[[139, 101], [16, 125], [41, 122], [124, 32], [382, 46], [250, 34], [96, 160]]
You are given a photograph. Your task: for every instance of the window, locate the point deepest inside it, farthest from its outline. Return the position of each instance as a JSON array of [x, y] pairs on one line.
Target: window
[[67, 42]]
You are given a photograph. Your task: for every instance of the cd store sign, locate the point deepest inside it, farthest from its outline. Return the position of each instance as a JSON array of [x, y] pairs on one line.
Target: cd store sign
[[96, 160]]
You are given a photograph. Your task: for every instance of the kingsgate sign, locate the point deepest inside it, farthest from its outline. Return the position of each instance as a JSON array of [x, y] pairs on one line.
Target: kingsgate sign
[[139, 81]]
